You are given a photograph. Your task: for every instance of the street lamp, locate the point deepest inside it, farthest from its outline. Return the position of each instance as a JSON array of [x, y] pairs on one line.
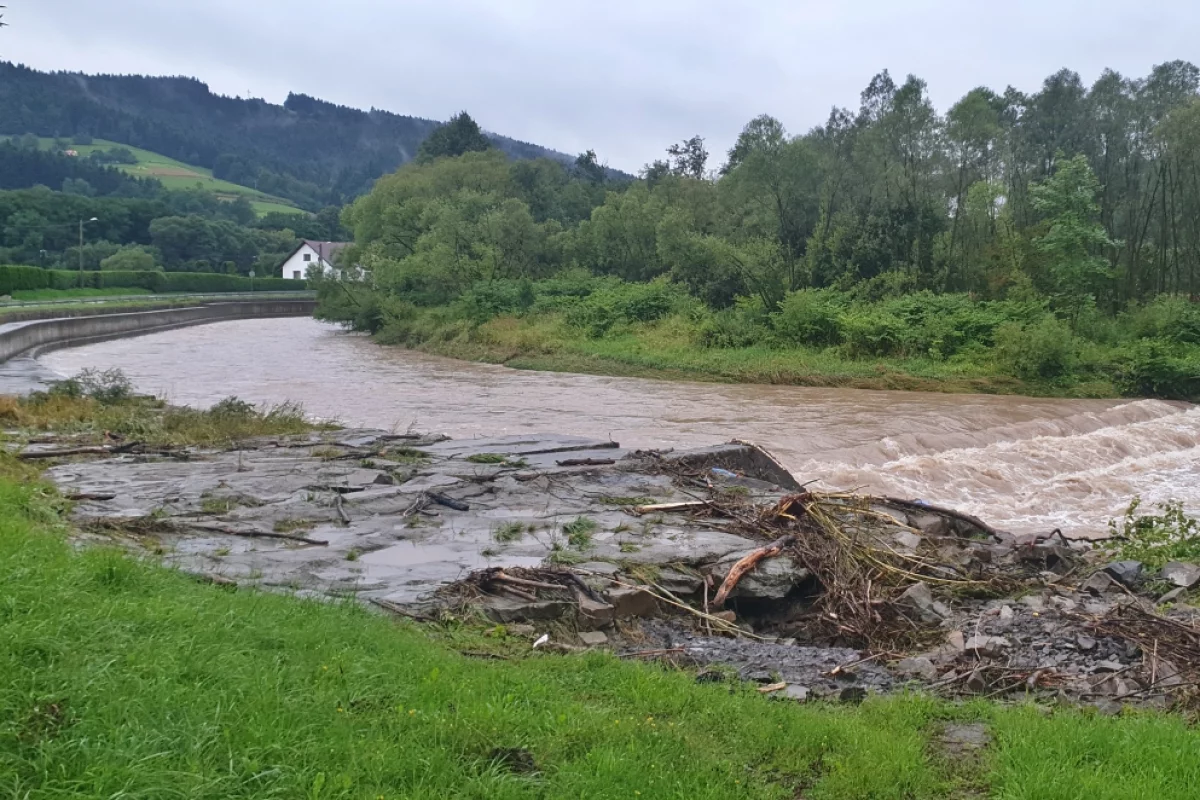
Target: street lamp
[[83, 222]]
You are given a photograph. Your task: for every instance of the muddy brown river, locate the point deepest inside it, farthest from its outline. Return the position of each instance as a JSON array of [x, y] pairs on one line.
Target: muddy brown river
[[1028, 465]]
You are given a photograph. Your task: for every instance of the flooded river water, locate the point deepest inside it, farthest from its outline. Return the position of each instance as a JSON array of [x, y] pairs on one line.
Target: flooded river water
[[1028, 465]]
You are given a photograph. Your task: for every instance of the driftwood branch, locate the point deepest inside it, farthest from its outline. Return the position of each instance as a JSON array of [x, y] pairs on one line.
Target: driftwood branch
[[103, 450], [586, 462], [748, 563], [448, 502], [247, 533]]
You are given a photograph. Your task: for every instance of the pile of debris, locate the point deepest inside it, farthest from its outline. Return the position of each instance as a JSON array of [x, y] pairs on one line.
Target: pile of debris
[[708, 557]]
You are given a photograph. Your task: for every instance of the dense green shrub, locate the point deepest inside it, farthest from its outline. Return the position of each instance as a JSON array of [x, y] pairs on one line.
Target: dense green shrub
[[811, 317], [1043, 350], [620, 302], [1154, 369], [483, 301], [871, 332], [733, 327], [1172, 317]]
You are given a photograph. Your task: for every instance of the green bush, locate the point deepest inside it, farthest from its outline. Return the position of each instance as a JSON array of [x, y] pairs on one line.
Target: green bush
[[811, 317], [1044, 350], [620, 302], [1155, 539], [871, 332], [1152, 369], [732, 327], [1172, 317]]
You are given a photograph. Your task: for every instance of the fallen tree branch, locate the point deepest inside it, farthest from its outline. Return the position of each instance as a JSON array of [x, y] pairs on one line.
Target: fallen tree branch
[[252, 534], [748, 563], [103, 450], [448, 502], [946, 512], [586, 462]]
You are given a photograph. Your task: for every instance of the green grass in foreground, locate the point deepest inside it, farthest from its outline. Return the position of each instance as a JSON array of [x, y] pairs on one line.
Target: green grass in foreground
[[123, 679]]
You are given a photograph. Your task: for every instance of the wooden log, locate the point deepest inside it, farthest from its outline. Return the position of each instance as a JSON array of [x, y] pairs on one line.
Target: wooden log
[[652, 509], [748, 563], [448, 502]]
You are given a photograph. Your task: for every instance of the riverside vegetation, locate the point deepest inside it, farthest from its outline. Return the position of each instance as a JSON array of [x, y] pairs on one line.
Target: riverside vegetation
[[1042, 243], [123, 677]]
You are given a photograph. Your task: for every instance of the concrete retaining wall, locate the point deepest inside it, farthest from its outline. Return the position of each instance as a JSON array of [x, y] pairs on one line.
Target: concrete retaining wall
[[30, 338]]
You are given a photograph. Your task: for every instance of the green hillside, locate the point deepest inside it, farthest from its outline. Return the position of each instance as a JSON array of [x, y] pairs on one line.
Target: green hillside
[[178, 175]]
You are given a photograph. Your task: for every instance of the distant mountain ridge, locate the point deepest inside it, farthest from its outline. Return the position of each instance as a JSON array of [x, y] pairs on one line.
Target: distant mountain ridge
[[310, 151]]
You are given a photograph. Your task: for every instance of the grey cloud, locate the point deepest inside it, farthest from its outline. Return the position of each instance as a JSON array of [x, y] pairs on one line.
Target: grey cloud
[[623, 77]]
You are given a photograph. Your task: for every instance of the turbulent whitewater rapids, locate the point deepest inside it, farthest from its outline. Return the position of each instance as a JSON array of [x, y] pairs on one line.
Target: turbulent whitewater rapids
[[1026, 465]]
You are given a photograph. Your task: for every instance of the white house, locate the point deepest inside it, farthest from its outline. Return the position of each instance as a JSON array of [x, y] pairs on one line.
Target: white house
[[312, 255]]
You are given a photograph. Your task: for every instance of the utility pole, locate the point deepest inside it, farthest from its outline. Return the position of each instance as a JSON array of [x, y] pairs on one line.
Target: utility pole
[[83, 222]]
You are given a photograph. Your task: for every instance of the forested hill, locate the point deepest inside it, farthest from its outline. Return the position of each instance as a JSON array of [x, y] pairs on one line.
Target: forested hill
[[307, 150]]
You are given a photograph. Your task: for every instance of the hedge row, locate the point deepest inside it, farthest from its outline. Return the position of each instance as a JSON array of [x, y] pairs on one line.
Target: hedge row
[[15, 279]]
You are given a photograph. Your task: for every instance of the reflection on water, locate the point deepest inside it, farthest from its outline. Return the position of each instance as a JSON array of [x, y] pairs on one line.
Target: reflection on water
[[1021, 463]]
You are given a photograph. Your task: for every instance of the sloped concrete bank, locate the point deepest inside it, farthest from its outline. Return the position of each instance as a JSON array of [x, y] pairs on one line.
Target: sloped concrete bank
[[36, 336]]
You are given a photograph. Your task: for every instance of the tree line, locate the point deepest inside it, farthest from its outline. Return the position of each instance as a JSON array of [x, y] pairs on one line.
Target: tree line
[[1075, 202]]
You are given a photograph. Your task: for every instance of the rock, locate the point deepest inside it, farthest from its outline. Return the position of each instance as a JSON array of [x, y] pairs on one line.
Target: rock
[[632, 602], [918, 667], [907, 541], [1006, 613], [593, 614], [602, 568], [1085, 643], [1172, 596], [1181, 574], [385, 479], [957, 640], [520, 630], [1109, 666], [929, 524], [504, 610], [852, 694], [772, 579], [1098, 583], [1127, 572], [919, 599], [1034, 603], [797, 693], [977, 682], [728, 616], [988, 646], [593, 638], [1107, 708], [960, 738], [679, 583]]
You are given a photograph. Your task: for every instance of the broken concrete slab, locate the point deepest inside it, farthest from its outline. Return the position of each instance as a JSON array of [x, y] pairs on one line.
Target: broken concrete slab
[[1181, 574]]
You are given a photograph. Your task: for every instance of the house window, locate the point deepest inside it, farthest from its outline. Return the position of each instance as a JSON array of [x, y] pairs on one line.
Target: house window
[[295, 274], [307, 257]]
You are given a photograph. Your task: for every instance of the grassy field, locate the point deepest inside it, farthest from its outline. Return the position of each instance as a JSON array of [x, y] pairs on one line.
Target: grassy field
[[177, 175], [125, 679]]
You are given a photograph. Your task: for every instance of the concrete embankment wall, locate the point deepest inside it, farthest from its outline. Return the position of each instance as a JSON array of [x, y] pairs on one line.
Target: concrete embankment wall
[[31, 338]]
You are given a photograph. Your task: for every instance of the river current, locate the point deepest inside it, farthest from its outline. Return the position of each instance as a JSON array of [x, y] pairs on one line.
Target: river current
[[1025, 464]]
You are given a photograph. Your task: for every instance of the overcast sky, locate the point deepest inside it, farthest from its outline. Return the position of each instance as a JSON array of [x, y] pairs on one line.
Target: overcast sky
[[625, 77]]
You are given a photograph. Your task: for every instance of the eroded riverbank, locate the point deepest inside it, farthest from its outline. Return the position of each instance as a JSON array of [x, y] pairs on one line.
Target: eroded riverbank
[[1029, 465]]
